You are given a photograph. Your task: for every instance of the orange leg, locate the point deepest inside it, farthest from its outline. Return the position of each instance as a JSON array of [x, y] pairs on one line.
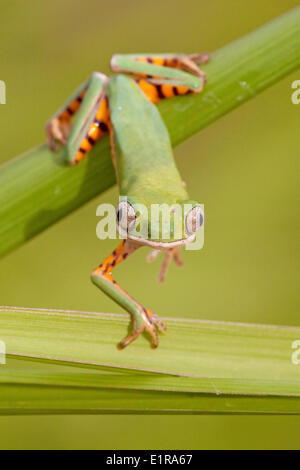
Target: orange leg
[[59, 126], [98, 129], [143, 319], [82, 121], [189, 63]]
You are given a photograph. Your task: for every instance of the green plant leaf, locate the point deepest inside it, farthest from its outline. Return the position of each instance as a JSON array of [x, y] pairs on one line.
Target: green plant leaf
[[200, 367], [38, 188]]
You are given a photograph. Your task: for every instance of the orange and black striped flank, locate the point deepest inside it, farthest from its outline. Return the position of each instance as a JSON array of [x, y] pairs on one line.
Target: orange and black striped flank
[[70, 110], [98, 128], [158, 91]]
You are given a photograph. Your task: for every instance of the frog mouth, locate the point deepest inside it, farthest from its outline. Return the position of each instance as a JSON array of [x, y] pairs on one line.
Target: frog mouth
[[157, 244]]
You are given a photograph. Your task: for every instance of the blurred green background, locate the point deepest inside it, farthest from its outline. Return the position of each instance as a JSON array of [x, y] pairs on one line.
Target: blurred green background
[[243, 168]]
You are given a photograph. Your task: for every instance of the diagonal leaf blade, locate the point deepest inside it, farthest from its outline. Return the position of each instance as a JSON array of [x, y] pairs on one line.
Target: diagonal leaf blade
[[38, 188]]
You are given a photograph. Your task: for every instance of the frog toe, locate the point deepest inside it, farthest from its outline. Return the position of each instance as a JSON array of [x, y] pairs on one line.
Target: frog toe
[[151, 324]]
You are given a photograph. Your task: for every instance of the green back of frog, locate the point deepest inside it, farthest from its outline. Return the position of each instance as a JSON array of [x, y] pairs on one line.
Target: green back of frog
[[145, 162]]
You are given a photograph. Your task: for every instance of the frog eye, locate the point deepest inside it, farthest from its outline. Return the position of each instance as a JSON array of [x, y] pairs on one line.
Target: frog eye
[[125, 214], [194, 220]]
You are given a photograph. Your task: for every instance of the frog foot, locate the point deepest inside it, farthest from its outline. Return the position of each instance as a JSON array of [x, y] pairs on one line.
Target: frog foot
[[170, 254], [147, 322], [57, 131]]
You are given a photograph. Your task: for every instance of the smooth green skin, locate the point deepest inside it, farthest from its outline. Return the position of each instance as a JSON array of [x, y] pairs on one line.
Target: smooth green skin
[[145, 166], [146, 170]]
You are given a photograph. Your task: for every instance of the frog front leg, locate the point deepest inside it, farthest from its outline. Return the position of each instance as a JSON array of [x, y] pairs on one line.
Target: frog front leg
[[170, 254], [82, 121], [143, 319]]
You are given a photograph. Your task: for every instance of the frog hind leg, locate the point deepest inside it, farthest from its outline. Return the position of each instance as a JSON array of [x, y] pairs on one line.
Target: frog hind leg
[[165, 75], [143, 319], [59, 125], [187, 62], [82, 120], [97, 126]]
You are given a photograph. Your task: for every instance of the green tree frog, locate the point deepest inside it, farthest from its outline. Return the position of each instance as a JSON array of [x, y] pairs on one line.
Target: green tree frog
[[123, 106]]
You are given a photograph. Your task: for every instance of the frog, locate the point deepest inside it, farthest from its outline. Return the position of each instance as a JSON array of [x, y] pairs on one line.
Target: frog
[[123, 106]]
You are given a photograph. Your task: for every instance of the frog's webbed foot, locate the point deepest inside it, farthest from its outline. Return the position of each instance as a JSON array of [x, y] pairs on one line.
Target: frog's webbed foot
[[150, 323], [170, 254], [57, 131]]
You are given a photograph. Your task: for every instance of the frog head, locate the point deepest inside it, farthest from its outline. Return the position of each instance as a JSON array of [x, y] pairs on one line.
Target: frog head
[[160, 226]]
